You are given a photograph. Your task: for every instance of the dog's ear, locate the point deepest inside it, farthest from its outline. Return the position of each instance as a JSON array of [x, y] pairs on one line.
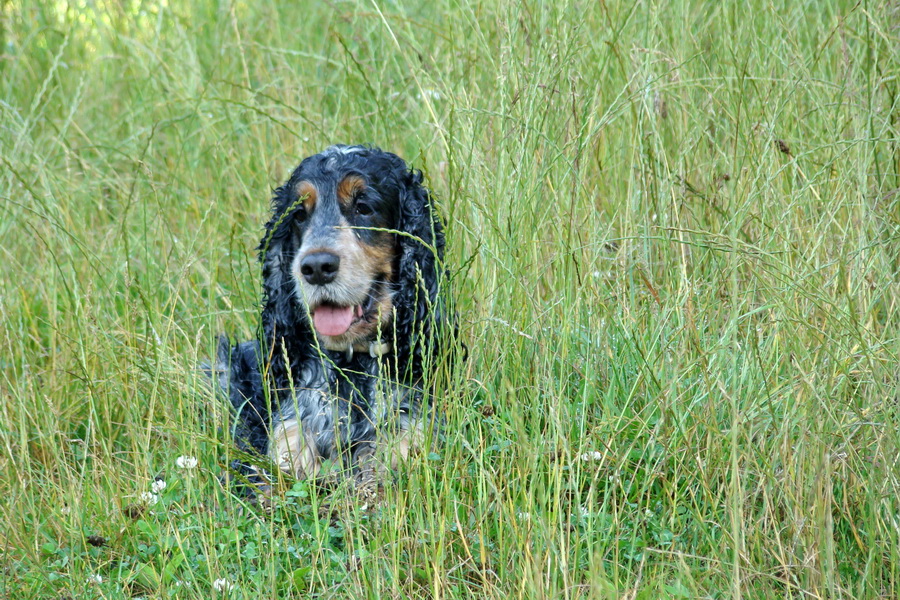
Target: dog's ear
[[420, 310], [280, 317]]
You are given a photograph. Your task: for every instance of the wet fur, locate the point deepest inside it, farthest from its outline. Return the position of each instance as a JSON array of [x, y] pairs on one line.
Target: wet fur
[[299, 402]]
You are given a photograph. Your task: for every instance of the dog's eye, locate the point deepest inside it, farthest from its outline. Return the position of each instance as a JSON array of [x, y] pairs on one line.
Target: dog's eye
[[364, 208], [300, 215]]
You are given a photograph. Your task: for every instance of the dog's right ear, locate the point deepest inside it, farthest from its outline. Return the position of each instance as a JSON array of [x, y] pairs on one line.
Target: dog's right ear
[[281, 318]]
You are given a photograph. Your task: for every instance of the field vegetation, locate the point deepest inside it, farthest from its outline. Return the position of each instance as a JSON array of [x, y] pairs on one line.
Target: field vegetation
[[674, 241]]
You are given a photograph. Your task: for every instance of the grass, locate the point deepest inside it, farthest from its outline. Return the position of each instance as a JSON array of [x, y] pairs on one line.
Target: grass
[[674, 230]]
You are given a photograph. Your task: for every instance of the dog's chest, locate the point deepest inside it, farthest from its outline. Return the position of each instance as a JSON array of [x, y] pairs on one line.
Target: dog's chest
[[344, 392]]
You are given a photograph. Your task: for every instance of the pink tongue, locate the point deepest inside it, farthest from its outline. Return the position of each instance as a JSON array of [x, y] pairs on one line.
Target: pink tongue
[[332, 320]]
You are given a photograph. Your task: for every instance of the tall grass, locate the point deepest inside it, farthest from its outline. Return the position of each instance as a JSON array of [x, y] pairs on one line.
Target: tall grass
[[673, 230]]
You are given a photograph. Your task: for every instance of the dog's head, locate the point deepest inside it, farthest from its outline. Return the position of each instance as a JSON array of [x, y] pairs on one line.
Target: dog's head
[[352, 251]]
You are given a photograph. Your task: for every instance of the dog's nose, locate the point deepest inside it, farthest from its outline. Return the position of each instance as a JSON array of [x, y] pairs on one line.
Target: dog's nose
[[320, 268]]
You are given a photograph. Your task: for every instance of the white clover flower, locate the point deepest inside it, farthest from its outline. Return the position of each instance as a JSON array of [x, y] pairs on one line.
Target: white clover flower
[[149, 498], [430, 93], [94, 579], [222, 585], [157, 486], [186, 462], [591, 456], [523, 516]]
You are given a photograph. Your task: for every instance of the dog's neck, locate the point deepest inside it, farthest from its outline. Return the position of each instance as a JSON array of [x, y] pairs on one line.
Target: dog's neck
[[374, 348]]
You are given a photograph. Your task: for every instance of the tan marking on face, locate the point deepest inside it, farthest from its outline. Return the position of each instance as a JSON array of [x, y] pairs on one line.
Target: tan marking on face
[[294, 452], [361, 264], [349, 187], [380, 255], [311, 194]]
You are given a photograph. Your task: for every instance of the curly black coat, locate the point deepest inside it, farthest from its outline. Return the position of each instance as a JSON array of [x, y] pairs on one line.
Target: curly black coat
[[303, 397]]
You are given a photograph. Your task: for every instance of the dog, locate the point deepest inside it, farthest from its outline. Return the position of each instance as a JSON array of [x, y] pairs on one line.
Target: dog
[[354, 319]]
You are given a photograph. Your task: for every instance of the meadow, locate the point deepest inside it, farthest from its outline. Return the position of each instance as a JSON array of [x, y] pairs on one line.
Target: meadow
[[674, 247]]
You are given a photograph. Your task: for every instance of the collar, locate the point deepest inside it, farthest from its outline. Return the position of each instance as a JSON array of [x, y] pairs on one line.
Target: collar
[[375, 349]]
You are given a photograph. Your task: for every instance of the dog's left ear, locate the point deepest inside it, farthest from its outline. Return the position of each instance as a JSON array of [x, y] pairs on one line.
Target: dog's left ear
[[420, 310]]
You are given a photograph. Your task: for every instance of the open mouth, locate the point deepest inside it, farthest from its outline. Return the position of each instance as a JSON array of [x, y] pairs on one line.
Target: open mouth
[[333, 319]]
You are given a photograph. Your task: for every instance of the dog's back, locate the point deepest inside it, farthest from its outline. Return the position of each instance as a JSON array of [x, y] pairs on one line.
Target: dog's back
[[238, 374]]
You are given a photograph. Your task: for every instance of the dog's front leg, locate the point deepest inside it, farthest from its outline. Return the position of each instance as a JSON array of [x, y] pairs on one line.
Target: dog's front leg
[[294, 450]]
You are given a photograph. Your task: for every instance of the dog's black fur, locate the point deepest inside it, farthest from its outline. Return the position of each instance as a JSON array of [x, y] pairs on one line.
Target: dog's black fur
[[302, 397]]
